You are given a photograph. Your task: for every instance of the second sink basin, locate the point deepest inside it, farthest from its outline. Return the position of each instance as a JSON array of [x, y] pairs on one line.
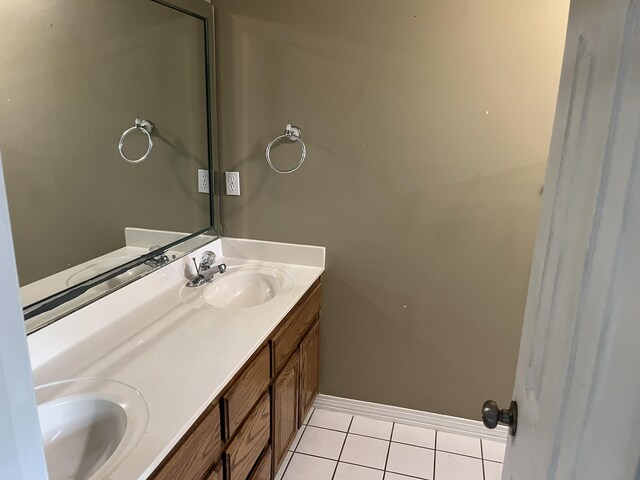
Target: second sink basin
[[88, 426], [240, 287]]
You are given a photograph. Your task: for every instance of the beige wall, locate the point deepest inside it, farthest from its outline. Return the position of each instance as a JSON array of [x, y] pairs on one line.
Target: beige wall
[[73, 74], [427, 125]]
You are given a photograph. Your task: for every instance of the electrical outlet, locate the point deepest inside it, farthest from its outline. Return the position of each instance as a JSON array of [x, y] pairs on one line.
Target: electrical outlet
[[203, 181], [233, 183]]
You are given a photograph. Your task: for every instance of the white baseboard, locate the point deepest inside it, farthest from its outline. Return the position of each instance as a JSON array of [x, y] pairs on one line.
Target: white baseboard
[[408, 416]]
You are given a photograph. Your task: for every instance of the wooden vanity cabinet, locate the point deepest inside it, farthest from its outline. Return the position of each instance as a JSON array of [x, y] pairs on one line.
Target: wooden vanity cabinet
[[245, 434]]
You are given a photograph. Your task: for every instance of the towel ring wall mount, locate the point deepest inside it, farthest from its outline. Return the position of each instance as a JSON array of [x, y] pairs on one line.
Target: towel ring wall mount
[[293, 134], [144, 126]]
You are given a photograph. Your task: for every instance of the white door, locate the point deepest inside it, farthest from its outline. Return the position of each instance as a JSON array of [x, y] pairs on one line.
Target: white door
[[578, 377], [21, 453]]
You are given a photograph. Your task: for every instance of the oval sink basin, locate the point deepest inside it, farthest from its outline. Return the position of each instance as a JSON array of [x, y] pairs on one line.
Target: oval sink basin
[[240, 287], [89, 426], [93, 426]]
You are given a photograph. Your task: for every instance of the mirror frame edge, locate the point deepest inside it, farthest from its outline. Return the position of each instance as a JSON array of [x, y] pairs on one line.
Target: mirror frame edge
[[204, 11]]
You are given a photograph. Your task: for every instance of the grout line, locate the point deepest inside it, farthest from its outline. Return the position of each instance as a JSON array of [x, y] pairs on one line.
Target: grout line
[[435, 453], [378, 438], [342, 448], [414, 445], [378, 469], [362, 435], [363, 466], [484, 475], [405, 475], [316, 456], [390, 440], [393, 425], [332, 429], [455, 453], [356, 464]]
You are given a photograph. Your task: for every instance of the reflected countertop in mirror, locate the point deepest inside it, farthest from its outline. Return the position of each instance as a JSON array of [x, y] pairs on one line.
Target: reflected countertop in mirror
[[78, 274]]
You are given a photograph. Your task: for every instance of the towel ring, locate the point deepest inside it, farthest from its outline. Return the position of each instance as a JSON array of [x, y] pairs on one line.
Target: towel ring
[[293, 134], [144, 126]]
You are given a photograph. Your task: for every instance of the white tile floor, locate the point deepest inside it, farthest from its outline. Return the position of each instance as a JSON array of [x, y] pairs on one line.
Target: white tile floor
[[339, 446]]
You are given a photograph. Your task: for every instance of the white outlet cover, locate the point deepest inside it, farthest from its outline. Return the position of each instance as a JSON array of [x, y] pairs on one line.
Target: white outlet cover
[[203, 181], [232, 181]]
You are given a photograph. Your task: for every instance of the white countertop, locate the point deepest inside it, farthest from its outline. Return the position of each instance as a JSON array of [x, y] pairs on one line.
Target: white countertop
[[178, 357]]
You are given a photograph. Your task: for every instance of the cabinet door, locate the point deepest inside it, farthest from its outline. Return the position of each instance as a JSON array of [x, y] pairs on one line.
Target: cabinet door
[[285, 411], [309, 370]]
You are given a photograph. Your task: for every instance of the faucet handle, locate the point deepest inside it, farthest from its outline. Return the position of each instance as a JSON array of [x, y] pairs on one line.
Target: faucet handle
[[207, 260]]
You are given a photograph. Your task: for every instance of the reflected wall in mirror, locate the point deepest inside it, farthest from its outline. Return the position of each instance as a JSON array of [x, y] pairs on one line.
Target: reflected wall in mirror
[[73, 76]]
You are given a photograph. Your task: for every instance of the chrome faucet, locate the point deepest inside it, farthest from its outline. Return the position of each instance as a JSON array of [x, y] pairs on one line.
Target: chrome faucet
[[205, 270], [158, 260]]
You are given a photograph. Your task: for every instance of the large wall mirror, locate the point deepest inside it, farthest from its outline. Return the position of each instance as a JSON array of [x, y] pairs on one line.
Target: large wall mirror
[[87, 217]]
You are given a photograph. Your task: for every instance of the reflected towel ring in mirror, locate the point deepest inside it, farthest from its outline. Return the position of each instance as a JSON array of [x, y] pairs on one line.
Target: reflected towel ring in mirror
[[144, 126], [293, 134]]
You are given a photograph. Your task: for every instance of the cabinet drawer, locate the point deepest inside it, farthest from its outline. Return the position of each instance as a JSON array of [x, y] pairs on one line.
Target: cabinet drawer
[[244, 450], [198, 453], [287, 338], [263, 469], [246, 391]]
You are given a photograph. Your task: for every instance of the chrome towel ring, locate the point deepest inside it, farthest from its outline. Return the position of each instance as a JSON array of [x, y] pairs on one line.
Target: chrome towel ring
[[144, 126], [293, 134]]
